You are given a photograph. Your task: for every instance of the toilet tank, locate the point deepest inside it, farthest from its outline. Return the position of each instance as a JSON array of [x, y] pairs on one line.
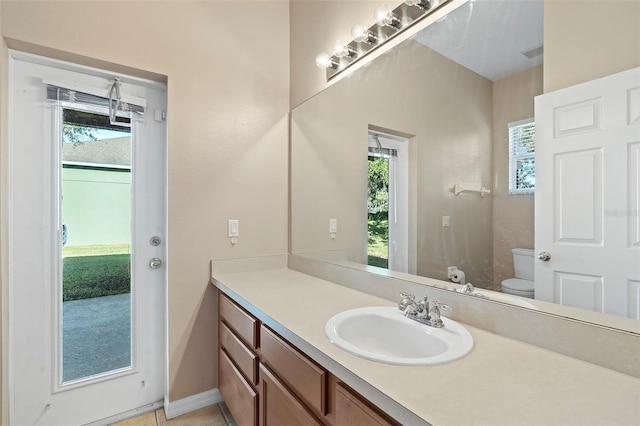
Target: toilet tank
[[523, 263]]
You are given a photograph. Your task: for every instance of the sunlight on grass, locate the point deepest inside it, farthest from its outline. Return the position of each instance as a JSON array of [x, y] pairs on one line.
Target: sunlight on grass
[[378, 248], [96, 250]]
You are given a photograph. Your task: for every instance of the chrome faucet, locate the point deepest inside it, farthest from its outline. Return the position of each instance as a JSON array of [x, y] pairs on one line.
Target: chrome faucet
[[424, 312], [466, 289], [408, 302]]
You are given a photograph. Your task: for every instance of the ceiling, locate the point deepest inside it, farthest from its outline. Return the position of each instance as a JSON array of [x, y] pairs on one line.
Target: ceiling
[[490, 36]]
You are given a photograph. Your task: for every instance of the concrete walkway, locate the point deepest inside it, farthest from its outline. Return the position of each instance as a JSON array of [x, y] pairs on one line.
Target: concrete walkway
[[96, 335]]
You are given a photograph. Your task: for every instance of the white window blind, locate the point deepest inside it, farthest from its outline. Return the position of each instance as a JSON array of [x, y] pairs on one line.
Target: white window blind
[[522, 166]]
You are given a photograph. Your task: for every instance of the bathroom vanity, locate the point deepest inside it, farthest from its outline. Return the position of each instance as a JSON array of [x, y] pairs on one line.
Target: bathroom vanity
[[275, 360], [265, 380]]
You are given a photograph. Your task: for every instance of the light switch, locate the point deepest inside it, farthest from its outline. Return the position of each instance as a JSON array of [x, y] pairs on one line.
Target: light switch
[[446, 221], [234, 228], [333, 226]]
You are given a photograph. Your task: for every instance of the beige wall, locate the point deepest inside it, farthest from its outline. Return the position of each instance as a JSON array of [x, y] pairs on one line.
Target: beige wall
[[4, 256], [228, 99], [513, 220], [585, 40], [315, 27], [451, 121]]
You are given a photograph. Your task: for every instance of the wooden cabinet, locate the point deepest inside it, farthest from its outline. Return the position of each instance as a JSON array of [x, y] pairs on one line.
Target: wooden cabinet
[[238, 361], [243, 357], [267, 381], [240, 397], [351, 409], [278, 406], [242, 323], [295, 369]]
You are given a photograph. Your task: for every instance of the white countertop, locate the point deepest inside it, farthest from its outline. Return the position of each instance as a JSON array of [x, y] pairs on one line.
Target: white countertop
[[501, 382]]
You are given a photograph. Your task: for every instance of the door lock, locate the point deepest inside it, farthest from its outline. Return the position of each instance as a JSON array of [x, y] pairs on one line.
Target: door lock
[[155, 263]]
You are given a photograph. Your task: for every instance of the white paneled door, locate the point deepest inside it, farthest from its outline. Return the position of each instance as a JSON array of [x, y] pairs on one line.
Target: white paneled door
[[87, 167], [588, 195]]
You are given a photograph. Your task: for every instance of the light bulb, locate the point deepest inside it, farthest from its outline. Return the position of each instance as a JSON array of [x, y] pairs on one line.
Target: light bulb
[[323, 60], [359, 33], [382, 15], [340, 49]]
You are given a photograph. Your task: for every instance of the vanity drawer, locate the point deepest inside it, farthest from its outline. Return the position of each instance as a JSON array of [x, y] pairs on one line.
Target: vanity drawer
[[244, 358], [239, 396], [244, 325], [302, 375]]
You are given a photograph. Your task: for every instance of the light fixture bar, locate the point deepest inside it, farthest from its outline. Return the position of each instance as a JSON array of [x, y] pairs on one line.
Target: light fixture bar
[[389, 23]]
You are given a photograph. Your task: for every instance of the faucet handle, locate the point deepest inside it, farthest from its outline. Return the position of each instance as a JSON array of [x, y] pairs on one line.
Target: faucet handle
[[441, 306], [407, 299], [406, 295], [437, 308]]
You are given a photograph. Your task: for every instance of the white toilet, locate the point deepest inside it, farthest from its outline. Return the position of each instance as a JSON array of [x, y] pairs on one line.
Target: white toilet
[[523, 264]]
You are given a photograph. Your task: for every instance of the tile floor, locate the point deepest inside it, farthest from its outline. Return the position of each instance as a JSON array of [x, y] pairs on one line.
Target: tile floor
[[214, 415]]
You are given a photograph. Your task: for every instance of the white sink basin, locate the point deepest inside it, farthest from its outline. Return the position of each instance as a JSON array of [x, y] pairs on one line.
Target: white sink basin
[[384, 334]]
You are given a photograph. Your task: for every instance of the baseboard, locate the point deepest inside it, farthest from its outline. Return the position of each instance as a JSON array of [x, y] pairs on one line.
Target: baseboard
[[191, 403], [127, 414]]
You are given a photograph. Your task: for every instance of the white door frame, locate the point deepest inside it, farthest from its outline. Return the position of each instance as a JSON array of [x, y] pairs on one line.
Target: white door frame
[[50, 400], [398, 199]]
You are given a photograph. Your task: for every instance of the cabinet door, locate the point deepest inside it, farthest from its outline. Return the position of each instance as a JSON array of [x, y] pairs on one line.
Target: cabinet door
[[350, 410], [239, 396], [295, 369], [278, 406]]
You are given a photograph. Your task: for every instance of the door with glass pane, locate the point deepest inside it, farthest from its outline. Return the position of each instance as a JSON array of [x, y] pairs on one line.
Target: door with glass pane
[[86, 243], [387, 202]]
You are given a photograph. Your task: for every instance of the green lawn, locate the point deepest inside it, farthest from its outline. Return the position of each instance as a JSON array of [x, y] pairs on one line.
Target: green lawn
[[378, 250], [94, 271]]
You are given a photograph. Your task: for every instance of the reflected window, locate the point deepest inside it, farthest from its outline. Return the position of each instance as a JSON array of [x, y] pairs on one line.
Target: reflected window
[[522, 162]]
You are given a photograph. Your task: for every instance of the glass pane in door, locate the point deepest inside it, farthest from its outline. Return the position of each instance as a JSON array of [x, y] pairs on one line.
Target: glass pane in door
[[96, 245], [378, 209]]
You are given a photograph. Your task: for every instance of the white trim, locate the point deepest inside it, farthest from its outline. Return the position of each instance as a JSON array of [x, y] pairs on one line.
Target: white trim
[[127, 414], [102, 92], [191, 403], [70, 66], [398, 199]]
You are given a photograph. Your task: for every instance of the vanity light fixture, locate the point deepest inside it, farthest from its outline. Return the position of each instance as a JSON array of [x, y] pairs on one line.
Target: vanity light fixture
[[388, 23]]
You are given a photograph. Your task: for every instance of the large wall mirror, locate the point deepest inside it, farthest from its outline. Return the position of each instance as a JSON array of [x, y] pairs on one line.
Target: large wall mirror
[[424, 159]]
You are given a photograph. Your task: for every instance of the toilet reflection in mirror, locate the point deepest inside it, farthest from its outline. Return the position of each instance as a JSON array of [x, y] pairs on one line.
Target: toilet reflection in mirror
[[522, 285]]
